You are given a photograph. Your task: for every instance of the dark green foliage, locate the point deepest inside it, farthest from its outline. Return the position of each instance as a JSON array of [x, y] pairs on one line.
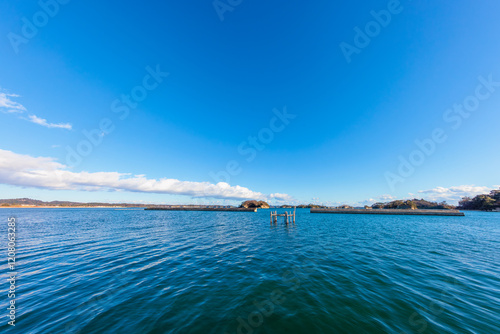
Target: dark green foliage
[[311, 206], [413, 204], [481, 202]]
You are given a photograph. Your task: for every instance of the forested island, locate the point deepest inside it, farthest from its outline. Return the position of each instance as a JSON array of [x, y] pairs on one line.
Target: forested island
[[489, 202], [413, 204]]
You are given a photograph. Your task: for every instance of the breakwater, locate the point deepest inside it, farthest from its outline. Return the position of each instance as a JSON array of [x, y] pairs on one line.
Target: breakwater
[[202, 209], [392, 212]]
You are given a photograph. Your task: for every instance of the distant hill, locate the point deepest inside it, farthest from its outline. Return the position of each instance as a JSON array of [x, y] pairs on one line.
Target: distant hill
[[35, 202], [28, 202]]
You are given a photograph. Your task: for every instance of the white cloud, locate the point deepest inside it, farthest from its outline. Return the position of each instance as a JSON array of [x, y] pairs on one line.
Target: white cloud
[[371, 201], [9, 106], [282, 198], [368, 202], [386, 197], [454, 194], [44, 172], [43, 122]]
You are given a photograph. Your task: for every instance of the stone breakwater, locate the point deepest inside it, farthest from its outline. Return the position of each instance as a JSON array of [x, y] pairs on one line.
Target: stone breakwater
[[392, 212], [204, 209]]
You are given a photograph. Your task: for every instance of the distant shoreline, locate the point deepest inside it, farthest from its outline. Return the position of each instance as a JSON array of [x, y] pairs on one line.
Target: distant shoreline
[[65, 207], [401, 207]]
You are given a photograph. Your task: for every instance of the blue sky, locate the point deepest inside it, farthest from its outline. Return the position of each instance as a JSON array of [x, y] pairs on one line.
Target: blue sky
[[352, 116]]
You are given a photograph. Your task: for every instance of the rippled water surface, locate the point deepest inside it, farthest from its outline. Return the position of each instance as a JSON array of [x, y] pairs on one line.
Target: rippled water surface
[[136, 271]]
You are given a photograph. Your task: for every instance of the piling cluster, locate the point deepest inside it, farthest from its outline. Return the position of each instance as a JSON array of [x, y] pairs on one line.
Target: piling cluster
[[289, 217]]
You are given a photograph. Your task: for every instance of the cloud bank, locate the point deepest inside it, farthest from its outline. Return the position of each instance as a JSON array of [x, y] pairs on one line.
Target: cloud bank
[[282, 198], [454, 194], [451, 195], [44, 172]]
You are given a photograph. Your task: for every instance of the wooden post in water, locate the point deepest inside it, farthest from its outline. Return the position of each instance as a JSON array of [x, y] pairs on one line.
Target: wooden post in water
[[289, 217]]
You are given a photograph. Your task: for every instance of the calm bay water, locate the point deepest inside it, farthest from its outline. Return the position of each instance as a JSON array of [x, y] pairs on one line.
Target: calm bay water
[[135, 271]]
